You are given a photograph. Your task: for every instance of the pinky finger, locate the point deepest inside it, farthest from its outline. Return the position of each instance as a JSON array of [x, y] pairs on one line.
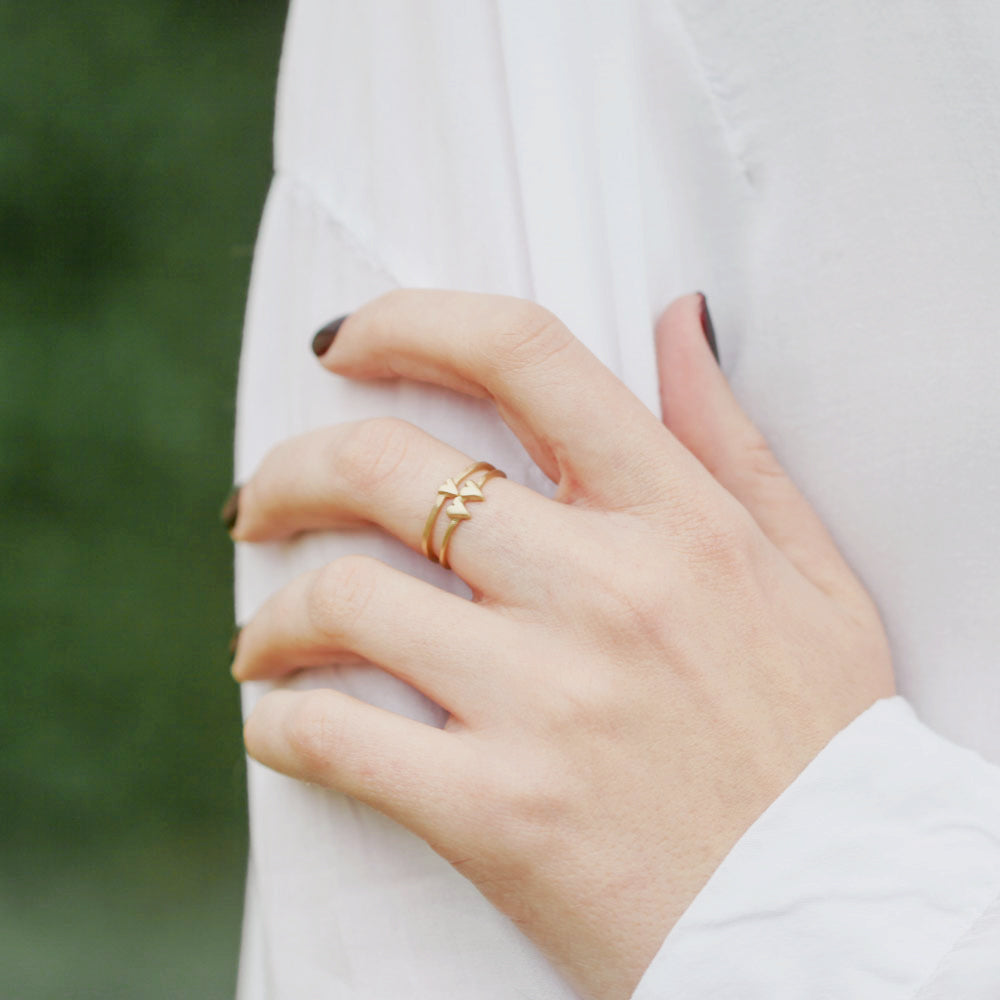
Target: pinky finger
[[416, 774]]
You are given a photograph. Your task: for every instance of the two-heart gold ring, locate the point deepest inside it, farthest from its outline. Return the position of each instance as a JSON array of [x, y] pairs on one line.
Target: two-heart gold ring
[[460, 491]]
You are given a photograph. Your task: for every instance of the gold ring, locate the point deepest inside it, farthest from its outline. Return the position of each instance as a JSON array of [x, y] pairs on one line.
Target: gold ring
[[447, 490], [458, 513]]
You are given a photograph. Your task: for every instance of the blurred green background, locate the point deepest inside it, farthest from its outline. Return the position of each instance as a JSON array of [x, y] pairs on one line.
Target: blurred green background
[[134, 159]]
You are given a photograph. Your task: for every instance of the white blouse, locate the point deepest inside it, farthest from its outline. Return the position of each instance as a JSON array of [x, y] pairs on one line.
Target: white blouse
[[828, 174]]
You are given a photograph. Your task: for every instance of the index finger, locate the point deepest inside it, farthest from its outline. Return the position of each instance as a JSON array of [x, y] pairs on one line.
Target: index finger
[[581, 424]]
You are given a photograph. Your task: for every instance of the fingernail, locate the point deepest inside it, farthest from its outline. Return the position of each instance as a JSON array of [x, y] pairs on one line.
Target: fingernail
[[231, 508], [322, 341], [707, 327]]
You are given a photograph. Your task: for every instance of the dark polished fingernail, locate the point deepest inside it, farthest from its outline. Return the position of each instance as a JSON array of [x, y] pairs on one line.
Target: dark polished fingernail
[[231, 509], [707, 327], [322, 341]]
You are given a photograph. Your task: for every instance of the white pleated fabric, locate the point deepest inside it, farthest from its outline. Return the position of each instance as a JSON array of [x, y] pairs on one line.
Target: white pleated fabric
[[827, 174]]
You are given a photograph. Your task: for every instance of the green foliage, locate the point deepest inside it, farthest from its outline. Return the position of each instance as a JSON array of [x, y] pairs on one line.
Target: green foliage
[[134, 158]]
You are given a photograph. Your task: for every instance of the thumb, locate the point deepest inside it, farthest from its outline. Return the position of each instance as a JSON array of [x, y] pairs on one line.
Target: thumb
[[700, 410]]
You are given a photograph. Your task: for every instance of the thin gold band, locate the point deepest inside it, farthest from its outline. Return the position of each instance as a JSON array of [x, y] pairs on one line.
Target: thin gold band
[[448, 490], [457, 512]]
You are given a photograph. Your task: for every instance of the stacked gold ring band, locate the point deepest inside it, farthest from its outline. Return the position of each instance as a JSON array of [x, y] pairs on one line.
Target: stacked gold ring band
[[460, 492]]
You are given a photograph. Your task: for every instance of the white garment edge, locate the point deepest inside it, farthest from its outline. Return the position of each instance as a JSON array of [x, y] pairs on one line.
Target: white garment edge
[[875, 874]]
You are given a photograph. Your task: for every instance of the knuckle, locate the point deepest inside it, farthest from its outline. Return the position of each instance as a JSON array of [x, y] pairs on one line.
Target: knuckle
[[760, 472], [642, 608], [383, 314], [340, 592], [630, 596], [261, 495], [720, 537], [587, 704], [374, 452], [720, 544], [761, 461], [530, 803], [396, 301], [532, 335], [314, 733]]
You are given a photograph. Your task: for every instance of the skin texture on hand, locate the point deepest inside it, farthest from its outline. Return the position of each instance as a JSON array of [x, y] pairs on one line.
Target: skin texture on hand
[[660, 648]]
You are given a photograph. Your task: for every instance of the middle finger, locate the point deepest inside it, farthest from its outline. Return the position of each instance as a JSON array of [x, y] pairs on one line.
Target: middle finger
[[580, 423]]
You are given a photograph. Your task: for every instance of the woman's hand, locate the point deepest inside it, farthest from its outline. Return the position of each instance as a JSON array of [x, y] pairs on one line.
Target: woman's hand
[[650, 657]]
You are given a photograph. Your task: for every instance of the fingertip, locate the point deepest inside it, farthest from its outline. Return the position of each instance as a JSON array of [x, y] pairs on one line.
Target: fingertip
[[323, 338], [234, 651], [682, 311], [262, 725], [240, 528], [230, 512], [683, 331], [246, 518], [249, 734], [707, 327]]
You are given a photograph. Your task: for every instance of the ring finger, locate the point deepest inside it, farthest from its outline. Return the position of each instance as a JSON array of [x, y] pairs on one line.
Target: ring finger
[[387, 472]]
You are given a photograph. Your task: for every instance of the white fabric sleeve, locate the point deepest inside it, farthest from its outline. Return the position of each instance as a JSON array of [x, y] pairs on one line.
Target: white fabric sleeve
[[874, 876]]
